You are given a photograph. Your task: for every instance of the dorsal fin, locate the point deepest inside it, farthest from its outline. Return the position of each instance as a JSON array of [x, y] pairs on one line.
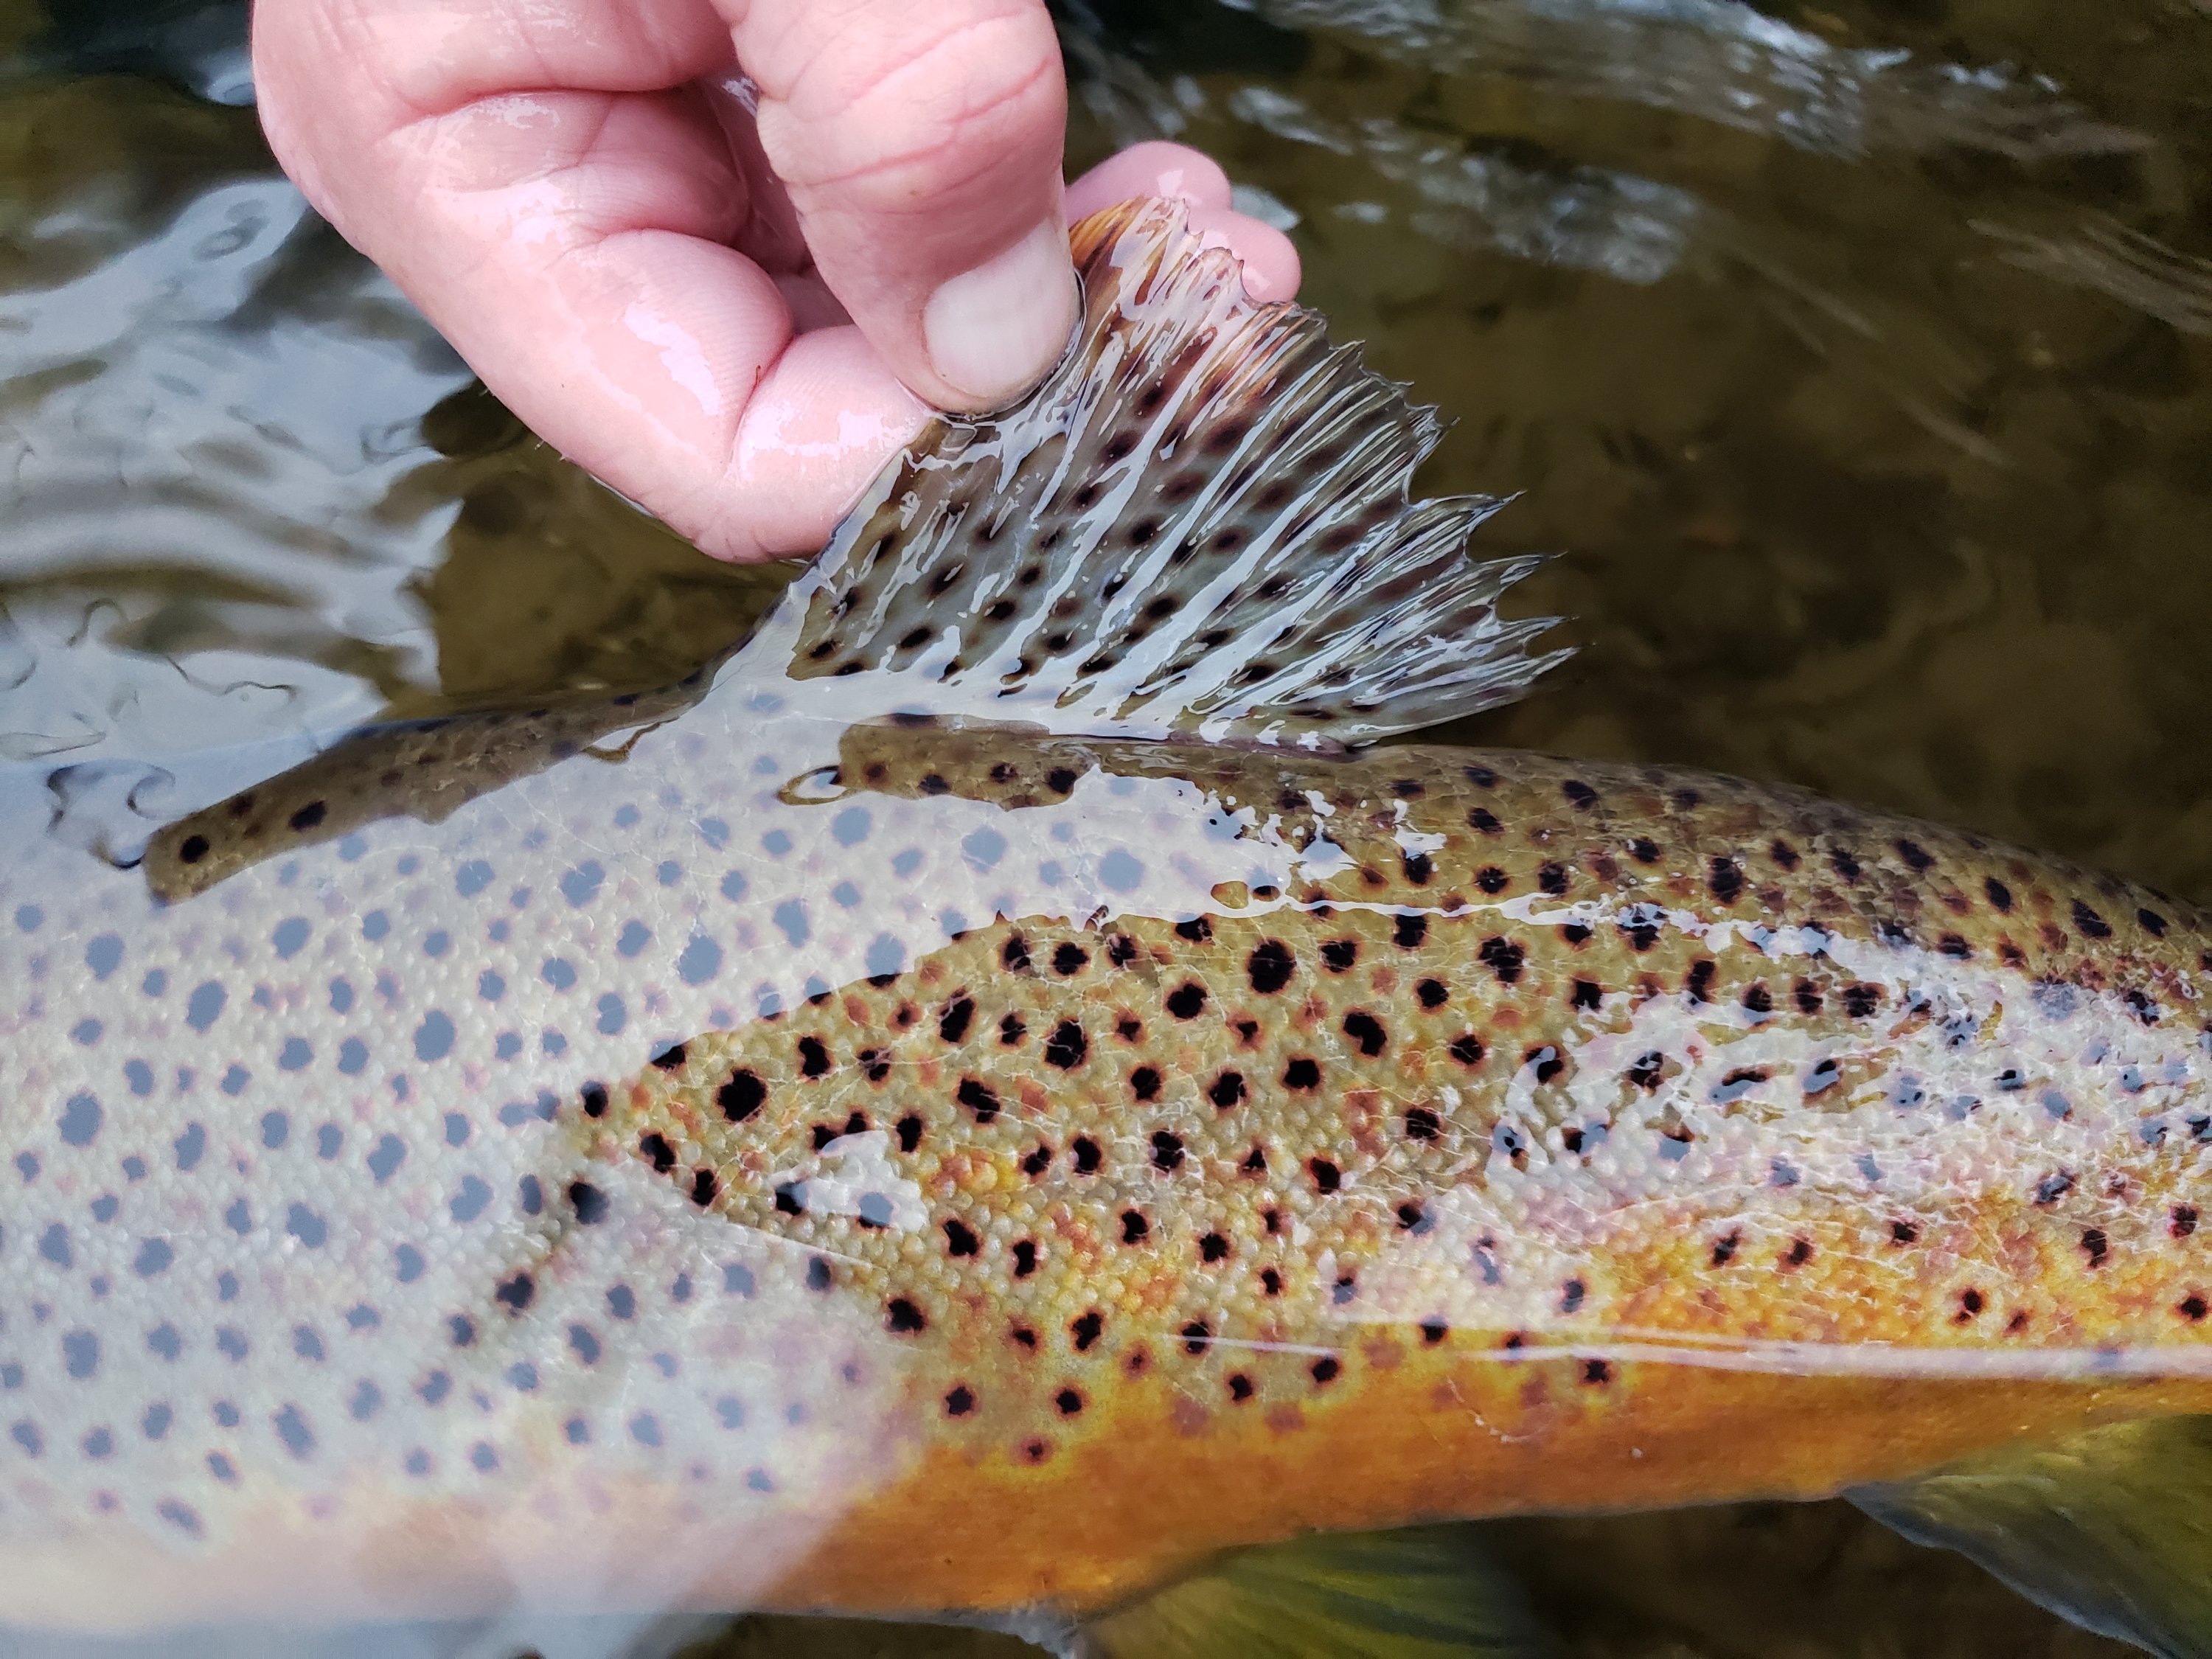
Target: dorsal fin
[[1199, 524]]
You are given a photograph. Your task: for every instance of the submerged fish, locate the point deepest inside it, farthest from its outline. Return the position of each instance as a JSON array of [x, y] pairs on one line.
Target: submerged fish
[[981, 1105]]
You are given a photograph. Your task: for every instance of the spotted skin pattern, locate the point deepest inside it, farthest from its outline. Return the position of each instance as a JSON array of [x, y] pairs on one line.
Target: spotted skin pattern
[[1078, 1154], [709, 1152]]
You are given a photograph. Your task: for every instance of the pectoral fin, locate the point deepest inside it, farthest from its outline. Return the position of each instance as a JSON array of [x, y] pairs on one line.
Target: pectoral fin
[[1420, 1593], [2111, 1528]]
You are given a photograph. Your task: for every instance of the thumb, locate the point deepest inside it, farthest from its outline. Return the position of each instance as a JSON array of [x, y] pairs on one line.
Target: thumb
[[920, 144]]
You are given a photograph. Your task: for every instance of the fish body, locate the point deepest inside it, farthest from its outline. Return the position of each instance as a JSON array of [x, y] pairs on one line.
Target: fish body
[[740, 1154]]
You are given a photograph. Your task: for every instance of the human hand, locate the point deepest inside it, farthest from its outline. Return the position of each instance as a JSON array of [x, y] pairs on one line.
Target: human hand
[[723, 297]]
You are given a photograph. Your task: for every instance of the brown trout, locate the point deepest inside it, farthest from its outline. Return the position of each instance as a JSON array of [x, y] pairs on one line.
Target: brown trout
[[984, 1102]]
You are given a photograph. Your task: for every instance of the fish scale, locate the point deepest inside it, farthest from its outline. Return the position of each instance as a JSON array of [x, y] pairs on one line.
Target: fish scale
[[792, 1141]]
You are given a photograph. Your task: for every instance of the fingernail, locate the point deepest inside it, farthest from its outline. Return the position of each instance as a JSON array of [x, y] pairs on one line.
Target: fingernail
[[991, 332]]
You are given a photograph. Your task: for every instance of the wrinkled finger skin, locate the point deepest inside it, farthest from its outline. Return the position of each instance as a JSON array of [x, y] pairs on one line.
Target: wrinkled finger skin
[[719, 253]]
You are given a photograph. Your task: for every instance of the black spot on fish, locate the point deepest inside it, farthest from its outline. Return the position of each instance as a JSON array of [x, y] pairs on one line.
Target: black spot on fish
[[1270, 966], [902, 1318], [308, 816], [1326, 1177], [1085, 1329], [1413, 928], [654, 1146], [979, 1098], [1338, 955], [1419, 868], [1999, 895], [1491, 879], [1015, 954], [1187, 1000], [1466, 1048], [1431, 993], [1227, 1090], [909, 1132], [2092, 924], [1725, 878], [952, 1024], [1088, 1157], [1025, 1258], [2095, 1245], [1724, 1249], [1302, 1073], [1145, 1083], [739, 1096], [1365, 1029], [1066, 1047], [1502, 958]]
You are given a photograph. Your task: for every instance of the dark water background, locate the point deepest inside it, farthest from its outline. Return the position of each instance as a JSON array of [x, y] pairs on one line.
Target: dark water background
[[1855, 360]]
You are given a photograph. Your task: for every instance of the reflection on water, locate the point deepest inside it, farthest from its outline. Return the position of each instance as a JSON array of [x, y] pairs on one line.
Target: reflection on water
[[1858, 359]]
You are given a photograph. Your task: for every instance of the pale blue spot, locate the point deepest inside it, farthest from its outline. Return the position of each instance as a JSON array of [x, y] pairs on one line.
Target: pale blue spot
[[290, 936], [701, 961], [81, 1120], [276, 1129], [777, 842], [790, 917], [851, 826], [469, 1203], [473, 879], [635, 936], [908, 861], [434, 1038], [582, 885], [557, 972], [611, 1014], [153, 1256], [983, 847], [1121, 870], [205, 1004], [104, 955], [733, 884], [353, 1056], [295, 1055]]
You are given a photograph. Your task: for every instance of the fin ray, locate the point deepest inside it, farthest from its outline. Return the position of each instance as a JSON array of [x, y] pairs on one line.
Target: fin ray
[[1415, 1592], [1201, 524], [2111, 1528]]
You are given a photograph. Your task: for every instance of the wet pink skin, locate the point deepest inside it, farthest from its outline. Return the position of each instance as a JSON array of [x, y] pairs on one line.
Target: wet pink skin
[[711, 288]]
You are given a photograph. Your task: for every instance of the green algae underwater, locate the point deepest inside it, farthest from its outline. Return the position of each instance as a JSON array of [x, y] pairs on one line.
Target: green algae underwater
[[1905, 563]]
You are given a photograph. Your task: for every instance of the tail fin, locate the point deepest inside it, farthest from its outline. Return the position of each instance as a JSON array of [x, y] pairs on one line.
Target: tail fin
[[2111, 1528], [1199, 524]]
